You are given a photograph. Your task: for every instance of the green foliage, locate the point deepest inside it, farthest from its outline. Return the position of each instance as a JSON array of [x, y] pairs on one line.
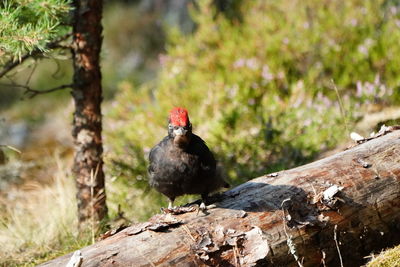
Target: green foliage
[[261, 92], [26, 25]]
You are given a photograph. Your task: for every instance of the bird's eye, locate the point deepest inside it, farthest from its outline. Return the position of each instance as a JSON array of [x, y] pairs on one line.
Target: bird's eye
[[176, 127]]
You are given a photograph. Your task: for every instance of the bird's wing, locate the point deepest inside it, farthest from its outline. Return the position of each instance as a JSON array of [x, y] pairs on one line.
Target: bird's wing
[[154, 157], [211, 176], [207, 160]]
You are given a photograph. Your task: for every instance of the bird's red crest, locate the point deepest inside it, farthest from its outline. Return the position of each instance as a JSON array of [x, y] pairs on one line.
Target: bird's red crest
[[179, 117]]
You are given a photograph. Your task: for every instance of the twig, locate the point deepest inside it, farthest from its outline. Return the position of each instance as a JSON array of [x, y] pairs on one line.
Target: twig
[[323, 259], [31, 93], [12, 148], [337, 245], [31, 74], [235, 254], [57, 71], [92, 205], [289, 241], [341, 107], [188, 232], [10, 65]]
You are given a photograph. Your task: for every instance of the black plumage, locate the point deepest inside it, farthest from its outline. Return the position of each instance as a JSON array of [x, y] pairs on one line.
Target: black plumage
[[182, 163]]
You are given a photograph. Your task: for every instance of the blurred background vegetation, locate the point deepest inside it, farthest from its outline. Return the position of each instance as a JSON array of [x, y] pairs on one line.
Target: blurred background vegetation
[[268, 84]]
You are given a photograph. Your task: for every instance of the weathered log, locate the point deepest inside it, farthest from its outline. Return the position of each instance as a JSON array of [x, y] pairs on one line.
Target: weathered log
[[340, 208]]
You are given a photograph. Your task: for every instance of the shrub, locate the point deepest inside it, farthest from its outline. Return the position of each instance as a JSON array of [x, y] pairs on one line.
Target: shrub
[[261, 90]]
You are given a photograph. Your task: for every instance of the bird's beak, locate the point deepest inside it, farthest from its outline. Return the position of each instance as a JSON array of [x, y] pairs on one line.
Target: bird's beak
[[181, 137], [180, 131]]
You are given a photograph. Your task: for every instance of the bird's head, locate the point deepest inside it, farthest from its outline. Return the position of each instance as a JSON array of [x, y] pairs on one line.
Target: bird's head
[[179, 126]]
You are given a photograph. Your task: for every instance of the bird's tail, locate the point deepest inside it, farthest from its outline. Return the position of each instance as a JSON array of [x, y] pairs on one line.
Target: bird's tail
[[226, 185], [220, 175]]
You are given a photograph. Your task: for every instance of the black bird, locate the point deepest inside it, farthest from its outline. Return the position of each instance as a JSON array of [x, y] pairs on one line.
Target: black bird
[[182, 163]]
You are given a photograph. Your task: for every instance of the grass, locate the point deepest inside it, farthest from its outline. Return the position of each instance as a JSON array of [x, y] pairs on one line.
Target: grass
[[388, 258], [38, 222]]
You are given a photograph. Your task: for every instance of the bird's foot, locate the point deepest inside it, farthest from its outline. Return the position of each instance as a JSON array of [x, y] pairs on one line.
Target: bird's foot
[[178, 210], [203, 206], [204, 209]]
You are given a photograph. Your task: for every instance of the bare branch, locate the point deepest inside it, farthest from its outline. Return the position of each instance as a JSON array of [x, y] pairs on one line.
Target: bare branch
[[31, 93], [10, 65], [31, 74]]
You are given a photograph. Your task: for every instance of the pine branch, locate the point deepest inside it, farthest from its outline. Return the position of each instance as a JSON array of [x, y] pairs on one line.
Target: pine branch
[[10, 65]]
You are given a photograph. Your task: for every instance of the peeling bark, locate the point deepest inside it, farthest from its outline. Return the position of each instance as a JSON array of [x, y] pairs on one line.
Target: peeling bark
[[303, 216], [87, 94]]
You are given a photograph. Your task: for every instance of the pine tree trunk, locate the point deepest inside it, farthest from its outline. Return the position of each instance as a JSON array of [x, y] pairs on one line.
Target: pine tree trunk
[[87, 122], [332, 212]]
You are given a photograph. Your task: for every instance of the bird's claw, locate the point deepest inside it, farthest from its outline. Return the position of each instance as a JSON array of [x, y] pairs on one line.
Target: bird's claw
[[203, 208], [177, 210]]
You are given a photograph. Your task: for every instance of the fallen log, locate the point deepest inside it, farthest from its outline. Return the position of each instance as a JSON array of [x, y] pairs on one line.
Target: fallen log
[[332, 212]]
